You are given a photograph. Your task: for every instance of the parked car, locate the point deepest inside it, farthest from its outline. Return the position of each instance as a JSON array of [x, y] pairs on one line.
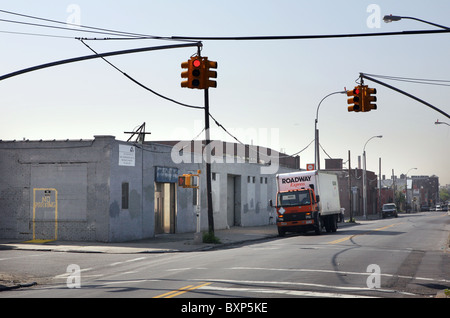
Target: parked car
[[438, 207], [389, 209]]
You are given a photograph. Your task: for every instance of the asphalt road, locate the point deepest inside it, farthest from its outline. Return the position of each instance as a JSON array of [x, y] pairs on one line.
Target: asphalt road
[[399, 257]]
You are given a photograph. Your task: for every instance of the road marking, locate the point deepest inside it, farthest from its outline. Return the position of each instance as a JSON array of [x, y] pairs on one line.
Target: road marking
[[66, 275], [231, 281], [352, 236], [338, 272], [300, 293], [128, 261], [181, 291]]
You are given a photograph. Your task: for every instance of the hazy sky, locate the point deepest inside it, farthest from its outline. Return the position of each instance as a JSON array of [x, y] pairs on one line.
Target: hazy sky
[[268, 91]]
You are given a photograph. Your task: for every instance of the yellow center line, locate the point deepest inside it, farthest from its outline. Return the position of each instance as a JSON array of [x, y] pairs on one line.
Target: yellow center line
[[180, 291], [352, 236]]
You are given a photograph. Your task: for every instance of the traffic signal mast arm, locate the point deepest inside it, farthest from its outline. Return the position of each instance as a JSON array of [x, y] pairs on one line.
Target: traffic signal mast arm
[[363, 76]]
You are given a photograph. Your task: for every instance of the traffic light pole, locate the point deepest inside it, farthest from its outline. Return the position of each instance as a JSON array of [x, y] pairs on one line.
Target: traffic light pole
[[208, 166]]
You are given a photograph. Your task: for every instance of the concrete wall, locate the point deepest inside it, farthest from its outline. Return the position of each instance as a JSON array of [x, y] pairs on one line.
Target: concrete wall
[[73, 190], [78, 171]]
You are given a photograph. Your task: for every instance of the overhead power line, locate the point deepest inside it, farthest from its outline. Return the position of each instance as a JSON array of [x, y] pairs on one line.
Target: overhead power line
[[79, 27], [413, 80], [305, 37], [142, 85]]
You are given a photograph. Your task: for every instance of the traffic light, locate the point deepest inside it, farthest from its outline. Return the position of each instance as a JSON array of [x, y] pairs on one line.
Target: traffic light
[[182, 181], [195, 73], [198, 73], [355, 100], [368, 98], [188, 181], [211, 74], [186, 74]]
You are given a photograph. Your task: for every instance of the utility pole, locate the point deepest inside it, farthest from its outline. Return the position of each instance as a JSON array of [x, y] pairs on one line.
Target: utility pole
[[208, 166], [350, 193], [200, 74], [379, 187]]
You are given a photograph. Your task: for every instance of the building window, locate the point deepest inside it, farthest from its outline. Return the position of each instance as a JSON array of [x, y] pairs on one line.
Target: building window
[[125, 195]]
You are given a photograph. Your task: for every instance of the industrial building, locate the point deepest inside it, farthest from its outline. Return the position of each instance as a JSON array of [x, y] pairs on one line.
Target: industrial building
[[108, 190]]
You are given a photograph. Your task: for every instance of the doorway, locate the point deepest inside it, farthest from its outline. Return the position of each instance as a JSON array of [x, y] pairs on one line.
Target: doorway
[[233, 200], [165, 208]]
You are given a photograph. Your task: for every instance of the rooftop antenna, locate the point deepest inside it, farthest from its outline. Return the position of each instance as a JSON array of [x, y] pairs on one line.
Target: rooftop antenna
[[140, 132]]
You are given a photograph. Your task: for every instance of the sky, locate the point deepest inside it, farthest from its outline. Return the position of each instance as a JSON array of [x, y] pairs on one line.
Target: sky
[[268, 91]]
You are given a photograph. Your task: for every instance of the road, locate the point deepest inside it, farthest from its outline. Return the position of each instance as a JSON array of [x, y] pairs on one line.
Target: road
[[400, 257]]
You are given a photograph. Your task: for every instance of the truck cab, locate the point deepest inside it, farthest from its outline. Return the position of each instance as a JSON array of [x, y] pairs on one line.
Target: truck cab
[[296, 208]]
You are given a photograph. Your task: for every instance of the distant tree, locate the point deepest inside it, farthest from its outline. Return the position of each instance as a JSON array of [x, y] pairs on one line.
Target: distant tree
[[444, 194]]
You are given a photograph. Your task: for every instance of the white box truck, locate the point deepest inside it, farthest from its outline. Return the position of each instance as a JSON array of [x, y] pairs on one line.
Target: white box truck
[[307, 200]]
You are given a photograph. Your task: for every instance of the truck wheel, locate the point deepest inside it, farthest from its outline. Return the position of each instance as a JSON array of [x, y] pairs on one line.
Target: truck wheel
[[318, 229], [328, 223], [281, 232], [334, 225]]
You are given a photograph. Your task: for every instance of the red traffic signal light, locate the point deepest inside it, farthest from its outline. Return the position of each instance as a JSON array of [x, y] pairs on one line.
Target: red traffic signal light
[[194, 74], [355, 100], [198, 73], [182, 181], [196, 63]]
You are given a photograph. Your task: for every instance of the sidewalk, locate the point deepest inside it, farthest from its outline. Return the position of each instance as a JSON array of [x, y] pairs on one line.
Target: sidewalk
[[162, 243]]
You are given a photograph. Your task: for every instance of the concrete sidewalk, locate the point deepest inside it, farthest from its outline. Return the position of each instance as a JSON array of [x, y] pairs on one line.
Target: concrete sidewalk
[[162, 243]]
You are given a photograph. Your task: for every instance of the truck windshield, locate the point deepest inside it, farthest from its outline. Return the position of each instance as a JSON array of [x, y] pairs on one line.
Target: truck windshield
[[294, 198]]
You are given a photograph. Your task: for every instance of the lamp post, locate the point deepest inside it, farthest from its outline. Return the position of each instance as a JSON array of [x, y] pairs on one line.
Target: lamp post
[[364, 177], [316, 132], [406, 189], [391, 18], [441, 123]]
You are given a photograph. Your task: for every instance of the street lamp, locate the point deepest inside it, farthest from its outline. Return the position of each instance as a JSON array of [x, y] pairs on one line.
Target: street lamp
[[316, 132], [441, 123], [364, 176], [391, 18], [406, 189]]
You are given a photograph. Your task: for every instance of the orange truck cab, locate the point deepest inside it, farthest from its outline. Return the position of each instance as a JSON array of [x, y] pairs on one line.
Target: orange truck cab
[[299, 206]]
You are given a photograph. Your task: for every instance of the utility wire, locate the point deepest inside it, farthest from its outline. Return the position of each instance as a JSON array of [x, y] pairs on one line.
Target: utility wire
[[140, 84], [103, 30], [306, 37], [414, 80], [57, 27], [38, 34], [119, 35], [240, 142]]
